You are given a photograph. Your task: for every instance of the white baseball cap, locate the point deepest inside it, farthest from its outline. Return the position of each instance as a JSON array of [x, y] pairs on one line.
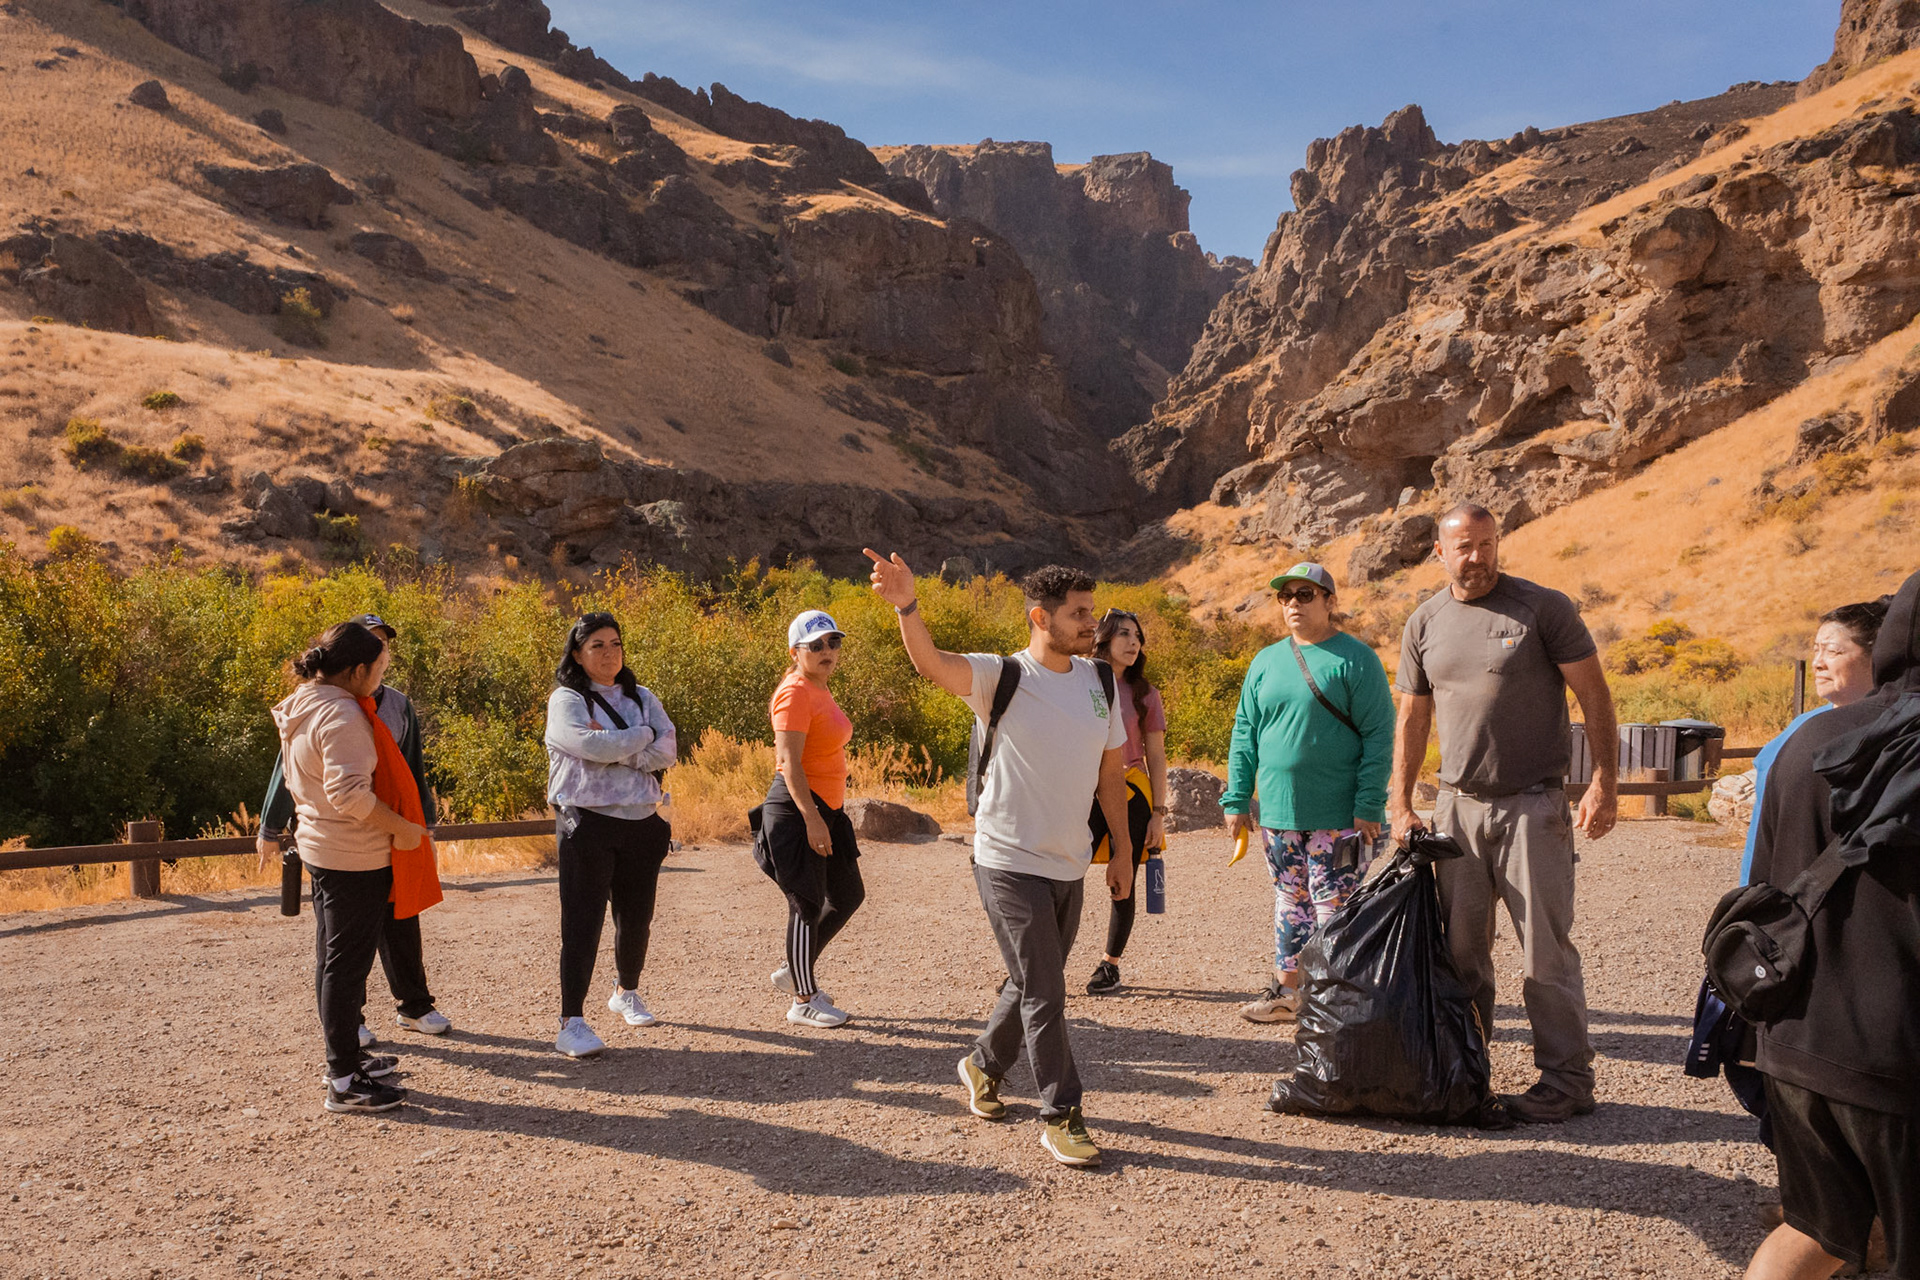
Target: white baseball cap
[[811, 625]]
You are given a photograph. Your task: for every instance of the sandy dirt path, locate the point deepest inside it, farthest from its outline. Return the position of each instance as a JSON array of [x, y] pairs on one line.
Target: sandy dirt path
[[160, 1103]]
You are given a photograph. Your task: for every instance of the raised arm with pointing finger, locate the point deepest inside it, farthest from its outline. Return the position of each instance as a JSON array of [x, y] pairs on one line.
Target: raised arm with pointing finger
[[893, 582]]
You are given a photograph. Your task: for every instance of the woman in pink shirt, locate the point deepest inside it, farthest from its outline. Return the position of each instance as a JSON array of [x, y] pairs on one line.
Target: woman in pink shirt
[[1121, 643]]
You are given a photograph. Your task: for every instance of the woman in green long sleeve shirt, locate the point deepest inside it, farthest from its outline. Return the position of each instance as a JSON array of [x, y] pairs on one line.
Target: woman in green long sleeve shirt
[[1318, 752]]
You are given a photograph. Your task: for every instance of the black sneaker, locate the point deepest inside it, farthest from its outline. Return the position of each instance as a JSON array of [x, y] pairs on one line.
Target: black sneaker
[[372, 1065], [1105, 979], [363, 1093]]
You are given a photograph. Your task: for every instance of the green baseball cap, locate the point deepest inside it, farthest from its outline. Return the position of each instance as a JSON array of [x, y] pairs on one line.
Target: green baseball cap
[[1305, 571]]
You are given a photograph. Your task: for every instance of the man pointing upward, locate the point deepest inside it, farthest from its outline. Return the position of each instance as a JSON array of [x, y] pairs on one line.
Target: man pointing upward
[[1056, 745]]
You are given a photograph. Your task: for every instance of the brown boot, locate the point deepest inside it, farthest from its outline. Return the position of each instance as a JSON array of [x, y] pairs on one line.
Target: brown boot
[[1544, 1104]]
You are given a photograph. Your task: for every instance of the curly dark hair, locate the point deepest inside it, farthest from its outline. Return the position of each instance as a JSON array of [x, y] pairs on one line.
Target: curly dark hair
[[1862, 620], [1047, 586]]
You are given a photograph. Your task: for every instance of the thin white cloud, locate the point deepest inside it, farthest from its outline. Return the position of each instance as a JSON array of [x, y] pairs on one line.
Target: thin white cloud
[[872, 57]]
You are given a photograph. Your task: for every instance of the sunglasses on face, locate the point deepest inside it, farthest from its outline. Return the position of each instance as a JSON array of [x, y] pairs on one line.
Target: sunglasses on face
[[824, 642], [1305, 595]]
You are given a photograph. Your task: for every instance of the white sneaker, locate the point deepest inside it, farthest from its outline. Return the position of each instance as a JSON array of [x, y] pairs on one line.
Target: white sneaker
[[817, 1012], [576, 1039], [431, 1023], [783, 981], [366, 1037], [630, 1006]]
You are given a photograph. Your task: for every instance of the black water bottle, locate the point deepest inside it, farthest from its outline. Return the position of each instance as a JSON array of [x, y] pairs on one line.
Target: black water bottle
[[289, 880]]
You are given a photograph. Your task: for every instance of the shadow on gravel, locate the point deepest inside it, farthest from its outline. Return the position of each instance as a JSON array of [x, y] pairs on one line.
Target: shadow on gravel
[[778, 1158], [1638, 1046], [1715, 1209], [171, 905]]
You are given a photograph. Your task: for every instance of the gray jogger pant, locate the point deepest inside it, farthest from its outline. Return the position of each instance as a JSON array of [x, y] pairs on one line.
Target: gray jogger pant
[[1034, 920], [1520, 852]]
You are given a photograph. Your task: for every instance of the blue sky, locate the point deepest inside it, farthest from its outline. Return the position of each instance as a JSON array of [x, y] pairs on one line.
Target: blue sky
[[1229, 94]]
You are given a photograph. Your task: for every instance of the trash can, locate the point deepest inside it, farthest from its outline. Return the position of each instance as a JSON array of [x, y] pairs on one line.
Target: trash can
[[1697, 744], [1646, 747], [1579, 759]]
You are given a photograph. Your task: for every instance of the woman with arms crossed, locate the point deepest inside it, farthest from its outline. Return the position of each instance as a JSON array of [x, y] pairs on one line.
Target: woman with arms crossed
[[608, 743]]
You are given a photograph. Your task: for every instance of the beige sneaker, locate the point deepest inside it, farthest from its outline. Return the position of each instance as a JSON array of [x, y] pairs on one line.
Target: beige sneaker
[[1066, 1140], [1278, 1003]]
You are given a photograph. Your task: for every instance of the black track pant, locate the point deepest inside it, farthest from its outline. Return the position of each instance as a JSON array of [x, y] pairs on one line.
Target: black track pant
[[812, 925], [405, 964], [350, 910], [606, 860], [1120, 914]]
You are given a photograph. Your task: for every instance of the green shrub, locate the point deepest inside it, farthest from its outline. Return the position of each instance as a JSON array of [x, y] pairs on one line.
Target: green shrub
[[88, 444], [1709, 659], [144, 463], [64, 542], [298, 320], [189, 448], [158, 400], [1842, 472], [340, 536], [148, 693], [849, 365], [1669, 631]]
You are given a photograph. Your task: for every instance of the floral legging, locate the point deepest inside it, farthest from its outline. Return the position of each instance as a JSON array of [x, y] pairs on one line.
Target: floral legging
[[1307, 890]]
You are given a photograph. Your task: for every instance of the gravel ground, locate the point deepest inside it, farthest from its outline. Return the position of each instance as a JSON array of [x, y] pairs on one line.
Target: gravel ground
[[160, 1112]]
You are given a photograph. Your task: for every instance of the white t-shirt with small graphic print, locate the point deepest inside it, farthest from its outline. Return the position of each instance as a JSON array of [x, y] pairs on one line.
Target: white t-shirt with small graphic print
[[1044, 769]]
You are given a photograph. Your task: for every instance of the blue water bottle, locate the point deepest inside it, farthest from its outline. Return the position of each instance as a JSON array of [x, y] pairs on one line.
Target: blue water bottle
[[1156, 885]]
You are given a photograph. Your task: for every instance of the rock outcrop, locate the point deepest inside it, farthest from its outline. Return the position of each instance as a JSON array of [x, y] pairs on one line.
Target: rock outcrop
[[562, 494], [290, 193], [1870, 31], [77, 280], [1372, 353], [415, 79], [1124, 287]]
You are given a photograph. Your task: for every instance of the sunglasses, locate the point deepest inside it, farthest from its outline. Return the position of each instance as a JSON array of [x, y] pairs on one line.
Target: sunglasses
[[824, 642], [1305, 595]]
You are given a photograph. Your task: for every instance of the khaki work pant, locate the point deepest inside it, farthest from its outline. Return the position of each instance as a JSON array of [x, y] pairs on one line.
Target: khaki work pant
[[1520, 852]]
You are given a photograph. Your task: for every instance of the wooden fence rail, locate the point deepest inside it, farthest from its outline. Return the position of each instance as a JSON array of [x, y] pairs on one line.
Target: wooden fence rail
[[144, 850]]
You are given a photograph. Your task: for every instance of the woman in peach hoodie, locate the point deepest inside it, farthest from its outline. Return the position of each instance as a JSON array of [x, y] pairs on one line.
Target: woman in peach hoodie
[[347, 838]]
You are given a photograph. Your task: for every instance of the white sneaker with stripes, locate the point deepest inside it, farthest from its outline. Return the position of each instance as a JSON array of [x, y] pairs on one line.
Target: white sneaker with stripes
[[783, 981], [817, 1012]]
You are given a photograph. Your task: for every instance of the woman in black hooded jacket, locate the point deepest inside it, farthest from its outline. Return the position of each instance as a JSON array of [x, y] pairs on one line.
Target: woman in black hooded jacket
[[1842, 1066]]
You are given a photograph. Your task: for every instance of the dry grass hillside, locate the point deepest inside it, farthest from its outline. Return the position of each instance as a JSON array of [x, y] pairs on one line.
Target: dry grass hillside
[[516, 334], [1745, 534]]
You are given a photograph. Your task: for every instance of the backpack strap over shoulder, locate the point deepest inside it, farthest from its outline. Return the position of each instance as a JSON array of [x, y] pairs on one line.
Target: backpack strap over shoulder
[[1003, 691], [1108, 685]]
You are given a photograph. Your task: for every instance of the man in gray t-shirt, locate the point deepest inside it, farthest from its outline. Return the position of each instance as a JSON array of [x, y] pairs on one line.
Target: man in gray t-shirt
[[1058, 745], [1492, 657]]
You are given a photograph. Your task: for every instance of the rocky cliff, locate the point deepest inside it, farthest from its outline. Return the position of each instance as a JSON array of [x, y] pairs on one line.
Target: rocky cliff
[[1871, 31], [1124, 287], [1520, 322]]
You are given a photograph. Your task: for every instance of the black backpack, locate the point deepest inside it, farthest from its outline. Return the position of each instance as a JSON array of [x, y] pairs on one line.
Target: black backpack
[[980, 745]]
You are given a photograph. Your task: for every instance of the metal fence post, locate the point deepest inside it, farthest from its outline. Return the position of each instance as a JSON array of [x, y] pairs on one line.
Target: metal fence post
[[143, 874], [1799, 686]]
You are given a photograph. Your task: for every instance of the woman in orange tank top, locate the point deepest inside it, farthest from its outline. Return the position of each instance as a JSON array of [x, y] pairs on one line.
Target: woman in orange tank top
[[803, 838]]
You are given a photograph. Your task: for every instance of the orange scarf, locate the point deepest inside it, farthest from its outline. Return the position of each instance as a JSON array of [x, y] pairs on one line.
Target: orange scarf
[[416, 878]]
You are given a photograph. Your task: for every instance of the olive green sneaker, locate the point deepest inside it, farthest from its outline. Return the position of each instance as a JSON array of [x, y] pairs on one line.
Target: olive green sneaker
[[1066, 1140], [983, 1091]]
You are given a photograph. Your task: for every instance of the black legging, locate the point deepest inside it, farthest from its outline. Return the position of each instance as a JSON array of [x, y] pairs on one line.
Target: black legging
[[606, 859], [812, 925], [1120, 913]]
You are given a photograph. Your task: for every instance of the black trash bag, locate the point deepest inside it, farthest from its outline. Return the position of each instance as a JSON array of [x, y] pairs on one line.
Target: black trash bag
[[1386, 1027]]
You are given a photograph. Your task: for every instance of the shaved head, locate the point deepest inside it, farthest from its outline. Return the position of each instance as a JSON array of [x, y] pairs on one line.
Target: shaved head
[[1468, 513]]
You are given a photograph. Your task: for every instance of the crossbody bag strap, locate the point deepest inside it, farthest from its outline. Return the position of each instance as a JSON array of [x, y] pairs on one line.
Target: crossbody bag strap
[[1334, 711], [1811, 887], [595, 700]]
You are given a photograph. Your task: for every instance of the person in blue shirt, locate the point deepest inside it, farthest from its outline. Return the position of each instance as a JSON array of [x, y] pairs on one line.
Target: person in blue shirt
[[1842, 674]]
